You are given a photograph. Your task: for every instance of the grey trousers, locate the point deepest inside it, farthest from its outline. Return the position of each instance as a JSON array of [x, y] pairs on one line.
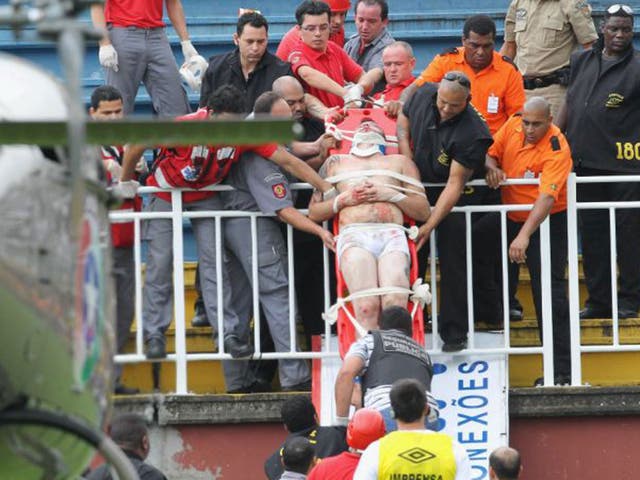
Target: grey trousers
[[125, 283], [144, 55], [157, 297], [273, 288]]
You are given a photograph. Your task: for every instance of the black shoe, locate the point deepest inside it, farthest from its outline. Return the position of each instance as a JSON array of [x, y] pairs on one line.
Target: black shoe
[[124, 390], [236, 348], [200, 320], [255, 387], [156, 349], [590, 312], [560, 380], [454, 346], [627, 313], [298, 387], [515, 314]]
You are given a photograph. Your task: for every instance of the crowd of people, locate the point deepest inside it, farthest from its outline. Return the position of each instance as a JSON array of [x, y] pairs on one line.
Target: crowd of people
[[556, 97]]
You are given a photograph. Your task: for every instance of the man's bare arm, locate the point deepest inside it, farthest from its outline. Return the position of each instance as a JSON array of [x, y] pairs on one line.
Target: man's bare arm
[[369, 79], [404, 139], [299, 169], [297, 220], [419, 208], [541, 209], [132, 154], [175, 12], [510, 49], [319, 80], [351, 367], [98, 20]]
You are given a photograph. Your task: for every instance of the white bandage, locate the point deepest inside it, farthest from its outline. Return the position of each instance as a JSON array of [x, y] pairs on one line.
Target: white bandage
[[188, 50], [336, 207], [329, 194], [108, 57], [342, 421], [398, 197]]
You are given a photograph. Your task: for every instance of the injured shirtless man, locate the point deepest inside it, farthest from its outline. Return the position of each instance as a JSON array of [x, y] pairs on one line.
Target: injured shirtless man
[[375, 190]]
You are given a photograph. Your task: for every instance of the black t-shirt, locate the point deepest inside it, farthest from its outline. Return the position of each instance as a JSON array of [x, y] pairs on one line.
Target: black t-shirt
[[225, 69], [327, 442], [603, 111], [145, 471], [464, 138]]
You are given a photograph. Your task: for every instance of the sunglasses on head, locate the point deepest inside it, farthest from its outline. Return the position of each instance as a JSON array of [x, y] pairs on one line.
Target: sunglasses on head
[[613, 9], [456, 77]]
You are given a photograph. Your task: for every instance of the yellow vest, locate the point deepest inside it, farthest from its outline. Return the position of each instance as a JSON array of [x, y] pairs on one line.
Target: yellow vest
[[414, 455]]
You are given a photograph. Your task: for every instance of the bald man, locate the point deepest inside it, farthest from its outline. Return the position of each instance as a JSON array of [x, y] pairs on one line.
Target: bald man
[[448, 140], [528, 145], [504, 464]]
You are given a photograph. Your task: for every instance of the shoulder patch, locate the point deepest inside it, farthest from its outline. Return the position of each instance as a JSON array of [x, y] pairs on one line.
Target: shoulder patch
[[449, 51], [510, 61], [555, 144]]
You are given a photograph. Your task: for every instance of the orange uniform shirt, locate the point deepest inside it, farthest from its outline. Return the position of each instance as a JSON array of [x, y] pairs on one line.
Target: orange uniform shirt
[[497, 92], [549, 160]]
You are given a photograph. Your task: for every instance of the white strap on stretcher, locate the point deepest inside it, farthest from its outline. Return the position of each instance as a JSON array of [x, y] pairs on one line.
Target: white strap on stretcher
[[341, 134], [357, 174], [419, 294], [412, 231]]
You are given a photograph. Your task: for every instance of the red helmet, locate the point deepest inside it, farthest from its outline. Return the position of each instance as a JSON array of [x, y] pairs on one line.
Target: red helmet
[[366, 426], [339, 5]]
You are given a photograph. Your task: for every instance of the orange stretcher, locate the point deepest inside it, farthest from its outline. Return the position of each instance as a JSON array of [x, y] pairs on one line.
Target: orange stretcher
[[346, 330]]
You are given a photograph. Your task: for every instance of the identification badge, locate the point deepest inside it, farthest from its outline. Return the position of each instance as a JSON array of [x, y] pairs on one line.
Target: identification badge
[[492, 104], [529, 174]]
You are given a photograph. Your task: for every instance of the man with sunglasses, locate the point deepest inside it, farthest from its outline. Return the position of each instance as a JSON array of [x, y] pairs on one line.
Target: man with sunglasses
[[601, 118], [448, 140], [540, 36]]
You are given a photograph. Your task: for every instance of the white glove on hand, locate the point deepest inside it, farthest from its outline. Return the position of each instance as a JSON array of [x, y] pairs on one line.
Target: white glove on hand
[[353, 97], [126, 189], [188, 50], [141, 166], [108, 57], [341, 421]]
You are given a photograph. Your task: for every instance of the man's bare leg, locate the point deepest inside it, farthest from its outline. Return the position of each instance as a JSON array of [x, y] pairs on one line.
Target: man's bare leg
[[360, 271], [393, 271]]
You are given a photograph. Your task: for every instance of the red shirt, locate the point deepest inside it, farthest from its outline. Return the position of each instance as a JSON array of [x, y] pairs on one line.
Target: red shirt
[[393, 92], [197, 166], [134, 13], [333, 62], [292, 37], [339, 467]]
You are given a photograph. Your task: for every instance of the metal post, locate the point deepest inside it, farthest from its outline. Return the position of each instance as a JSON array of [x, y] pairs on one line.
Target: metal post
[[178, 293], [574, 282], [547, 312]]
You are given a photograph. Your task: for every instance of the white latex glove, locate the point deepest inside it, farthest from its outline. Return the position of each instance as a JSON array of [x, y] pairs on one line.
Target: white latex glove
[[126, 189], [108, 57], [353, 97], [188, 50], [141, 166]]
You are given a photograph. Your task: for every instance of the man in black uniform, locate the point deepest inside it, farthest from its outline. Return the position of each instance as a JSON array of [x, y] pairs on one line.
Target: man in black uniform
[[602, 119], [379, 359], [448, 140], [301, 420]]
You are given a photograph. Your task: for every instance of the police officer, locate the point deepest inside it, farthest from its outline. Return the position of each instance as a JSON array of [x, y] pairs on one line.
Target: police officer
[[448, 140], [261, 186], [380, 358], [540, 36], [602, 118], [384, 458]]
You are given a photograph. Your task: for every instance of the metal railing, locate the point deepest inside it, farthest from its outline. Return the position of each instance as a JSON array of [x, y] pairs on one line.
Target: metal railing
[[181, 357]]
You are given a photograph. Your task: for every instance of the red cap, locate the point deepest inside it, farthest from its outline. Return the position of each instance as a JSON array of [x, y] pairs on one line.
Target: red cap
[[366, 426], [338, 5]]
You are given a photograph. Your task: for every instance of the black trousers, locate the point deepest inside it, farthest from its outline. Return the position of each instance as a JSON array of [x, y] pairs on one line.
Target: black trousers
[[559, 301], [451, 243], [594, 235]]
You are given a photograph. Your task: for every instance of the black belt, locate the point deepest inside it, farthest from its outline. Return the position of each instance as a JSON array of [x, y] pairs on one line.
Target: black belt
[[560, 77]]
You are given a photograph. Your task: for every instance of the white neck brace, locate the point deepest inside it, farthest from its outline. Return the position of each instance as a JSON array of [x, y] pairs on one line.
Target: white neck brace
[[375, 141]]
